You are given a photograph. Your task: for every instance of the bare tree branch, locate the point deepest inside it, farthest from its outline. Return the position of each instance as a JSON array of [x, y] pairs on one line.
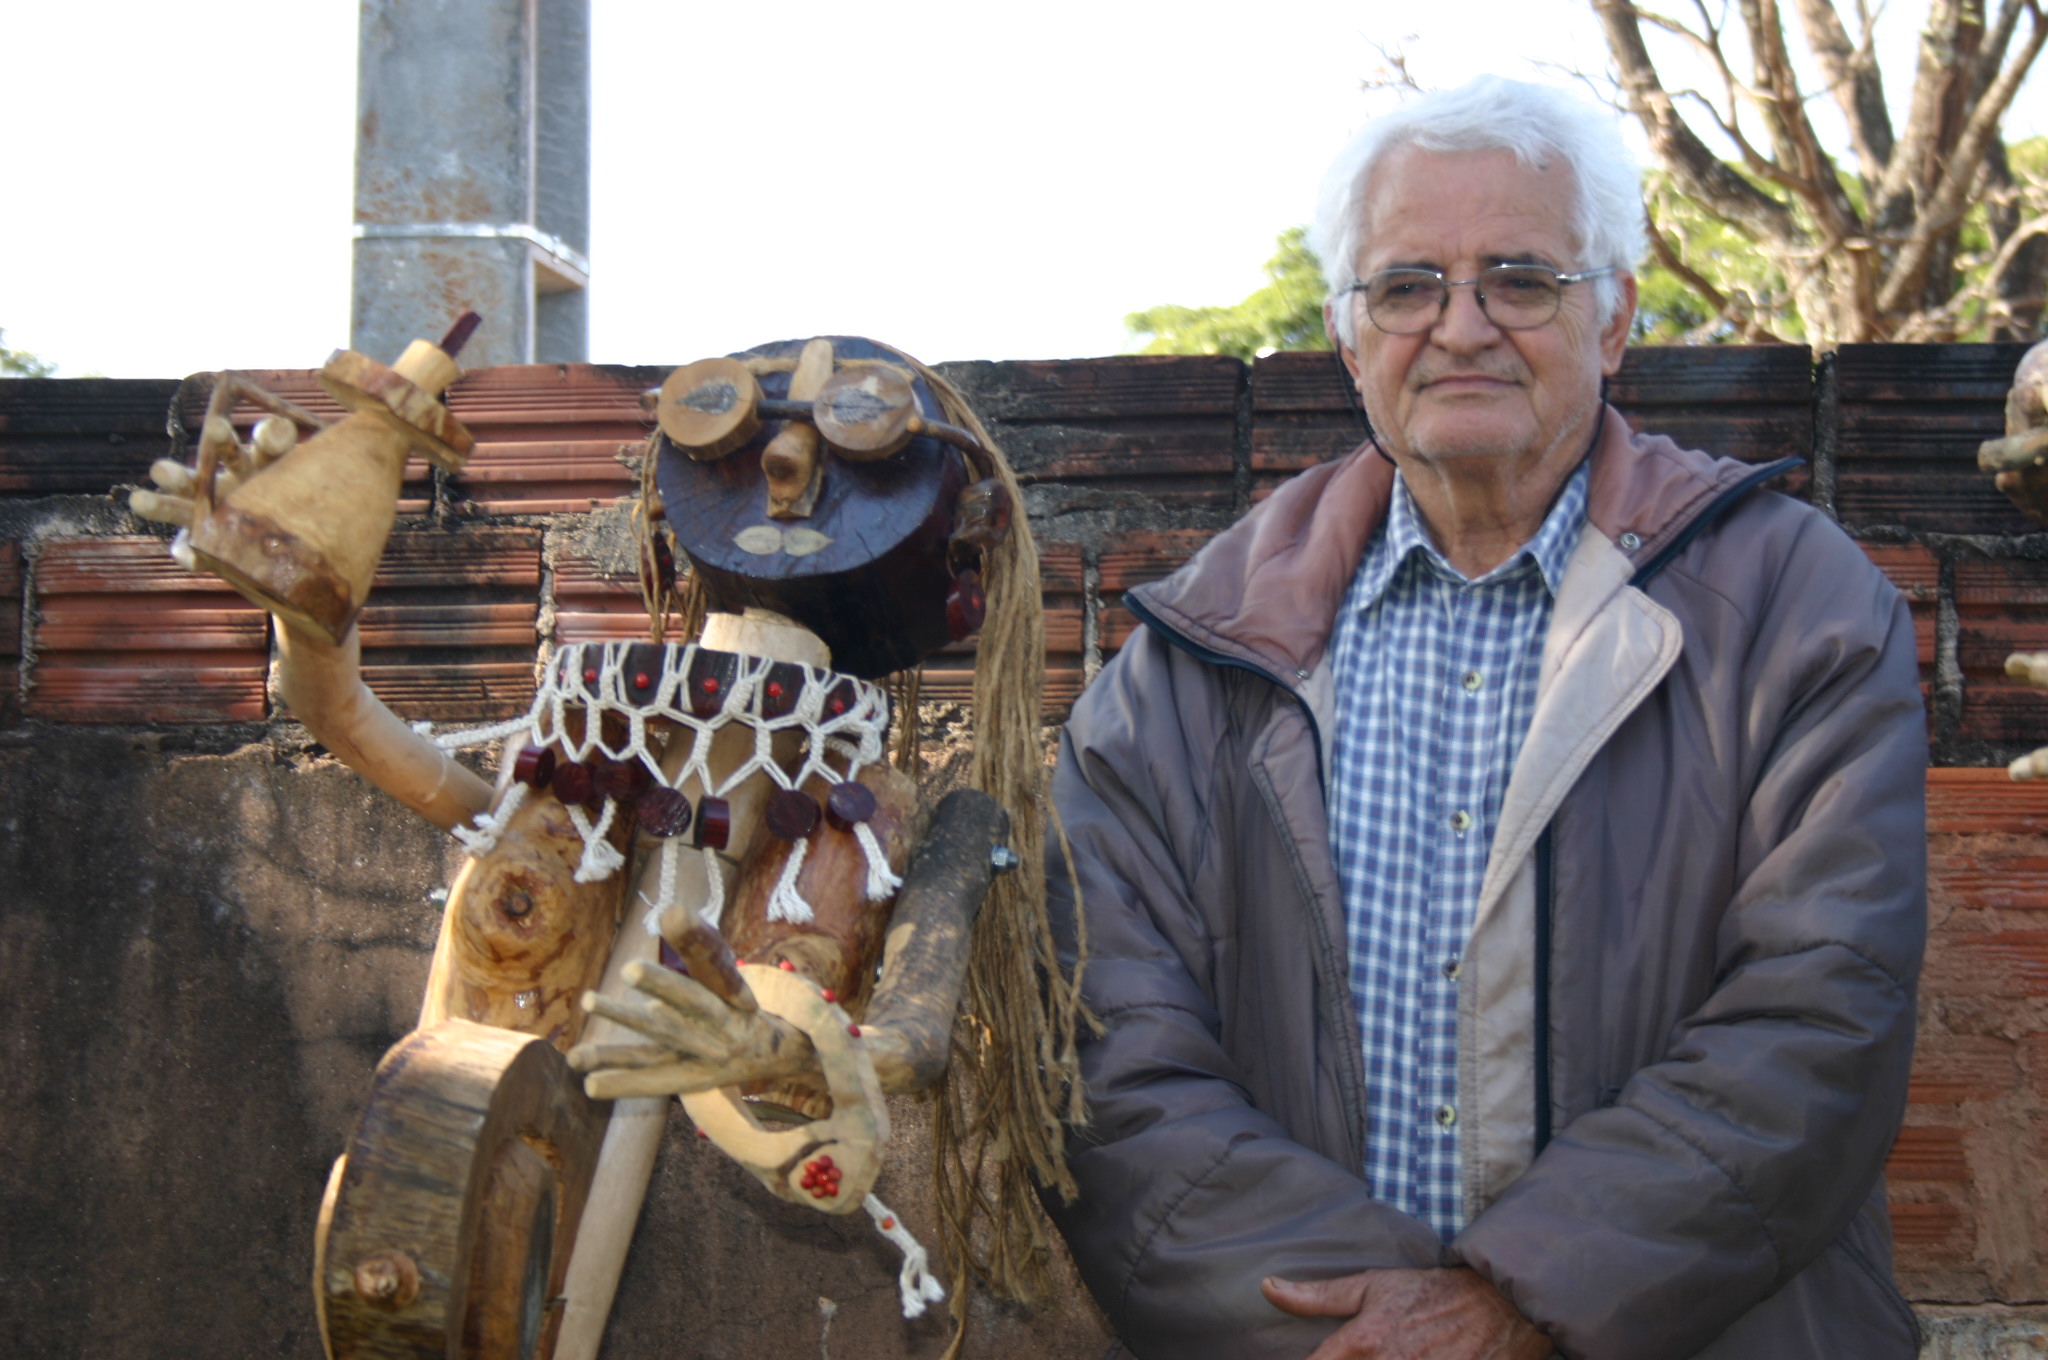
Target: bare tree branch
[[1962, 166], [1854, 81], [1699, 172], [1910, 173]]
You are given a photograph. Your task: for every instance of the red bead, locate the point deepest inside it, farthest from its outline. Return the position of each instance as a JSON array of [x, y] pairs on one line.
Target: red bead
[[791, 814], [966, 605], [714, 823], [775, 689], [809, 1181], [786, 966], [888, 1223], [710, 685], [535, 766], [590, 675], [640, 680], [572, 783], [616, 780], [831, 1192], [664, 812], [829, 994], [854, 1030], [702, 1134], [825, 1162], [838, 707], [848, 805]]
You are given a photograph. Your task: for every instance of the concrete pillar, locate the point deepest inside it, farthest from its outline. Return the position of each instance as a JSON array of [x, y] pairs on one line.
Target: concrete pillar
[[473, 177]]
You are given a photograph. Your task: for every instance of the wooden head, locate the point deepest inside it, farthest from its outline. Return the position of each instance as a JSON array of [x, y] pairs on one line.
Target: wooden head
[[855, 548]]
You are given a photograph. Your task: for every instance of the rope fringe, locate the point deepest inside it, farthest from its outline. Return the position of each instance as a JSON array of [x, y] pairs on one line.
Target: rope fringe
[[786, 903], [882, 882], [915, 1283]]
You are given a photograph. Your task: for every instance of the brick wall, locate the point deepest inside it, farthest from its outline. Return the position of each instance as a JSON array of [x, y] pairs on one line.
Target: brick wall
[[1132, 463]]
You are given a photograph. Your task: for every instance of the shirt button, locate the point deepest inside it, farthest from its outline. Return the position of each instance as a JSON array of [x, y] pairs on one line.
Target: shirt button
[[1452, 969], [1446, 1115], [1461, 821], [1473, 680]]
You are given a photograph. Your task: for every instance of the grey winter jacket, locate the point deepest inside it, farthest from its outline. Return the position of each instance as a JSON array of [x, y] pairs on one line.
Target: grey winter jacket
[[1686, 1008]]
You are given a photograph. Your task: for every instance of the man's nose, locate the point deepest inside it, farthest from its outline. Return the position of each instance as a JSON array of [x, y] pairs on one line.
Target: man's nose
[[1462, 325]]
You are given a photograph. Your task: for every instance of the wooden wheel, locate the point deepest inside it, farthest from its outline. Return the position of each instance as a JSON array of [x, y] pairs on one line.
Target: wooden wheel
[[454, 1210]]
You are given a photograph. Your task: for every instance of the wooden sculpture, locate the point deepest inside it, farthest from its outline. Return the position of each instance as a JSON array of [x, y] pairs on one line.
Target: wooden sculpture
[[2019, 467], [663, 805]]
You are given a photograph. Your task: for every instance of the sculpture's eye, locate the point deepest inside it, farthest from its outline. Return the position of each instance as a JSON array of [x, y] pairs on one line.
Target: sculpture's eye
[[867, 413], [709, 408]]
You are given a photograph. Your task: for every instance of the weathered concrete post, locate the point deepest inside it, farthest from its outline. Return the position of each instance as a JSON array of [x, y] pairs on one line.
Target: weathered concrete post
[[473, 176]]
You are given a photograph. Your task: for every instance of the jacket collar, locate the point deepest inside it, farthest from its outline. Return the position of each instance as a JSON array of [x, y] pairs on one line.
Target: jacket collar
[[1265, 592]]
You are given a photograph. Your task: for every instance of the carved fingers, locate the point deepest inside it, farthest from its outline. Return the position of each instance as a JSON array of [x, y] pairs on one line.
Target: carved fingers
[[699, 1040], [2019, 461], [172, 501]]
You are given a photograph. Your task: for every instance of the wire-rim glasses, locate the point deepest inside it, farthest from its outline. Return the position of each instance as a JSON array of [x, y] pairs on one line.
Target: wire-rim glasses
[[1514, 297]]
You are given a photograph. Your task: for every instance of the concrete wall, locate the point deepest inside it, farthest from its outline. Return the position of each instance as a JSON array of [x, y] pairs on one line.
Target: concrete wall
[[208, 932]]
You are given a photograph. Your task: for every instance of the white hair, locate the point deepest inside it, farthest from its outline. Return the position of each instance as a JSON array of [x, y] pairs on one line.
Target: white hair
[[1540, 125]]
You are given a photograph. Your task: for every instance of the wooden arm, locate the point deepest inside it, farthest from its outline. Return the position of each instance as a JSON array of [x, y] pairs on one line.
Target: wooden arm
[[322, 683], [909, 1025]]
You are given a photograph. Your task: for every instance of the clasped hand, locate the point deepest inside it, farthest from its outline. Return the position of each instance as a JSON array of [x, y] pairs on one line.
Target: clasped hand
[[1450, 1314]]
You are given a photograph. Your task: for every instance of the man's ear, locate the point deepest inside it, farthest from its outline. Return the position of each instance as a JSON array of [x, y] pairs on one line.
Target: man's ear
[[1614, 335]]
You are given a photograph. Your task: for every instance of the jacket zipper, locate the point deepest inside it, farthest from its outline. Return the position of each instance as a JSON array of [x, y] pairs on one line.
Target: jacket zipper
[[1545, 849], [1331, 969], [1542, 1018]]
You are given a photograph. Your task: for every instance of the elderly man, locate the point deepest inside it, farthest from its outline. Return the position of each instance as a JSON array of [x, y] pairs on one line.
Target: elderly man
[[1502, 853]]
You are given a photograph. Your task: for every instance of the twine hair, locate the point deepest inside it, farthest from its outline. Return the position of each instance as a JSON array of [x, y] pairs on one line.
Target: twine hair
[[1000, 1112], [1002, 1108]]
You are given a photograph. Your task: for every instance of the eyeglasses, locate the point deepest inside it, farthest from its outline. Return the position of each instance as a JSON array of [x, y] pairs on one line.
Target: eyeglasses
[[1514, 297]]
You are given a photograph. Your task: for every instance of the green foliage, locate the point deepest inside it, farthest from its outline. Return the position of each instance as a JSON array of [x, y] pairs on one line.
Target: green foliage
[[1285, 314], [1671, 311], [17, 363]]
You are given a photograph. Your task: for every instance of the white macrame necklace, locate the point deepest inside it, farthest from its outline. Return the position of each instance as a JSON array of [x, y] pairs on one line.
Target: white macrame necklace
[[625, 686]]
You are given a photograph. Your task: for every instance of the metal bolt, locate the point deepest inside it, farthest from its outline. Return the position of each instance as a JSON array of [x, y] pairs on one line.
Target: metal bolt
[[1003, 859], [388, 1281]]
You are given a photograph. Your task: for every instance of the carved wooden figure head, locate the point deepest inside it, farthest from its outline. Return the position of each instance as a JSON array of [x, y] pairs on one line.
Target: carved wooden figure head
[[818, 479]]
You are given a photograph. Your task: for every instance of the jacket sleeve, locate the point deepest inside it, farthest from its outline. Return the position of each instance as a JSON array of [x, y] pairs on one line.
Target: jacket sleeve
[[1721, 1171], [1188, 1195]]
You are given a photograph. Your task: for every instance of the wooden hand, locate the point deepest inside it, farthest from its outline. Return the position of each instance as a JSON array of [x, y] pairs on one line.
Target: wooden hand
[[171, 502], [2019, 461], [698, 1040], [1412, 1315]]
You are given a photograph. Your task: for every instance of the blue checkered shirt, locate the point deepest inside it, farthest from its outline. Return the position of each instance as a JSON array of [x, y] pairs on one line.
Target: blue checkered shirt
[[1435, 683]]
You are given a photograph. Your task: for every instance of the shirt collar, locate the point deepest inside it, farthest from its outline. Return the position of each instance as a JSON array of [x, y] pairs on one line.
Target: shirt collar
[[1402, 534]]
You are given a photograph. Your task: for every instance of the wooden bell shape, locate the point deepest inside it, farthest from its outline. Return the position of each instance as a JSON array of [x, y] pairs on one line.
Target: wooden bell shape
[[303, 537]]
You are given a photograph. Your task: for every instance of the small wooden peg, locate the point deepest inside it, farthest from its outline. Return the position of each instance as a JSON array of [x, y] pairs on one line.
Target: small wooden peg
[[275, 437], [163, 509], [709, 408], [790, 462]]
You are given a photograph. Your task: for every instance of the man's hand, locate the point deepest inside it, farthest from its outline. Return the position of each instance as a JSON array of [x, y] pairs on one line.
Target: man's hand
[[1412, 1315]]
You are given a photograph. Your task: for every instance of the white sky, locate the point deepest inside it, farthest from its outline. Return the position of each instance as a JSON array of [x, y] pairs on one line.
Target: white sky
[[961, 180]]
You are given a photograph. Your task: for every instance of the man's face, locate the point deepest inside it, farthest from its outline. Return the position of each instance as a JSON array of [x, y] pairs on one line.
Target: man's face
[[1465, 388]]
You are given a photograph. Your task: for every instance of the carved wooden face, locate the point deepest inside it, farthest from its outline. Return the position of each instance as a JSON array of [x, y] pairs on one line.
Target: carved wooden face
[[852, 547]]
